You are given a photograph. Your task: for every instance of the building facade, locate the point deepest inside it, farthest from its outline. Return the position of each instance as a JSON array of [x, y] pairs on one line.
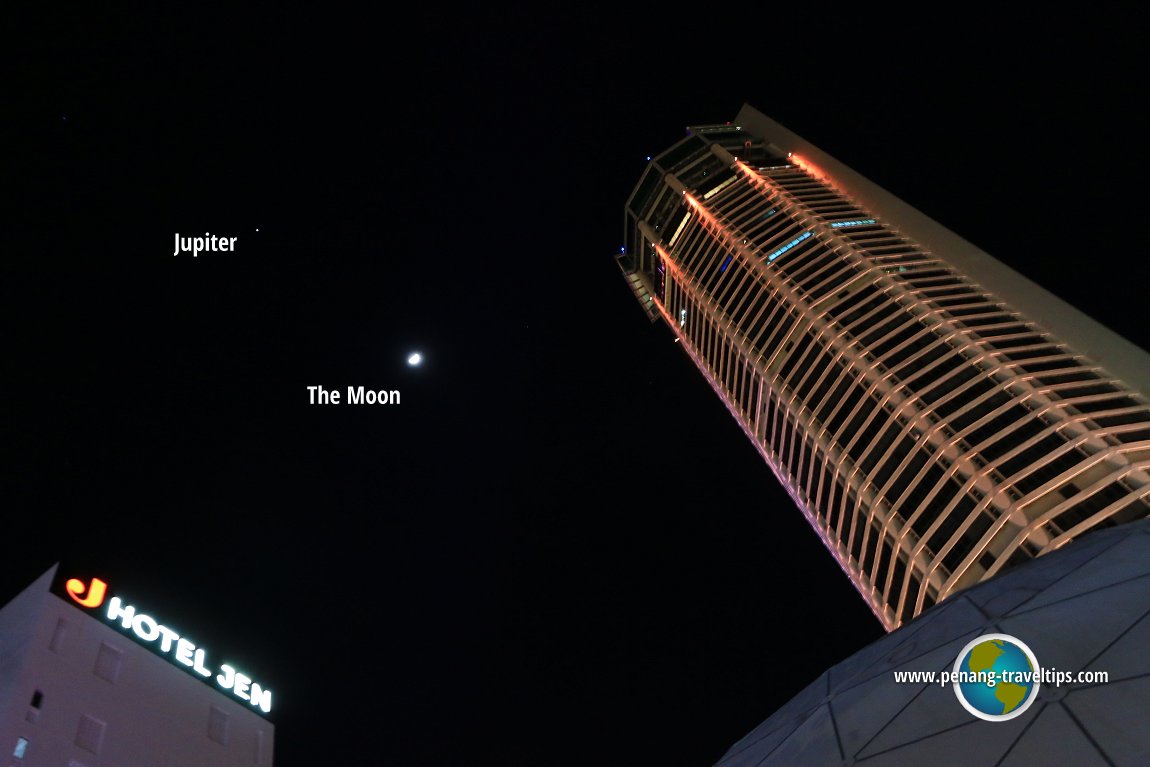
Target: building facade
[[89, 680], [937, 417]]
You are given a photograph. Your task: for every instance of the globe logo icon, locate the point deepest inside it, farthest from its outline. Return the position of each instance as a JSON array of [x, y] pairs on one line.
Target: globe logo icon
[[996, 677]]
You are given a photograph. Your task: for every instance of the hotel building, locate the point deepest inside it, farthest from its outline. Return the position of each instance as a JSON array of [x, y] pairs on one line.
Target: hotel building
[[90, 679]]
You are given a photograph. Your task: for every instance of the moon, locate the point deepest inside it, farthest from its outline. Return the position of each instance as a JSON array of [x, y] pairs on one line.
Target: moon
[[414, 359]]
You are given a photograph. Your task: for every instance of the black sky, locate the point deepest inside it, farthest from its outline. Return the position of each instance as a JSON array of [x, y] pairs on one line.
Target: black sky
[[559, 549]]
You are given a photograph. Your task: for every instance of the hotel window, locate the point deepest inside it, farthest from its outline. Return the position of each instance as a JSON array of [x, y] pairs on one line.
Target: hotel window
[[108, 662], [218, 725], [58, 635], [33, 713], [90, 734], [21, 747]]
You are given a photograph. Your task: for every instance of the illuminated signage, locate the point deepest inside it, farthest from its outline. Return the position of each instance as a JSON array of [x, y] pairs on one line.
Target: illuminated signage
[[165, 642]]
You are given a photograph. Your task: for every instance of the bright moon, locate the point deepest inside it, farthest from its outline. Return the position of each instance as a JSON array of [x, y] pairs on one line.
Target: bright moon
[[415, 359]]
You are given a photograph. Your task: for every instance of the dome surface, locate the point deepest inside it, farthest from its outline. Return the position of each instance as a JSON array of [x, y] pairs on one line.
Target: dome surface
[[1085, 607]]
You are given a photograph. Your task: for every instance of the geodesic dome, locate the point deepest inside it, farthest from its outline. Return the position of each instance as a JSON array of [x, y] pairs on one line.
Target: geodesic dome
[[1084, 607]]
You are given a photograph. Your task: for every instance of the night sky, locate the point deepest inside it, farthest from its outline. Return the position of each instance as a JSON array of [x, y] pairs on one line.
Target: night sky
[[559, 549]]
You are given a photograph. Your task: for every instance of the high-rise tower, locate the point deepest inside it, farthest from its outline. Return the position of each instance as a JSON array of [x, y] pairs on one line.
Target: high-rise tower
[[935, 415]]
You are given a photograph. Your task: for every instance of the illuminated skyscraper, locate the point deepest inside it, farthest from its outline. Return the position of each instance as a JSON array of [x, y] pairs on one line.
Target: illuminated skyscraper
[[935, 415]]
